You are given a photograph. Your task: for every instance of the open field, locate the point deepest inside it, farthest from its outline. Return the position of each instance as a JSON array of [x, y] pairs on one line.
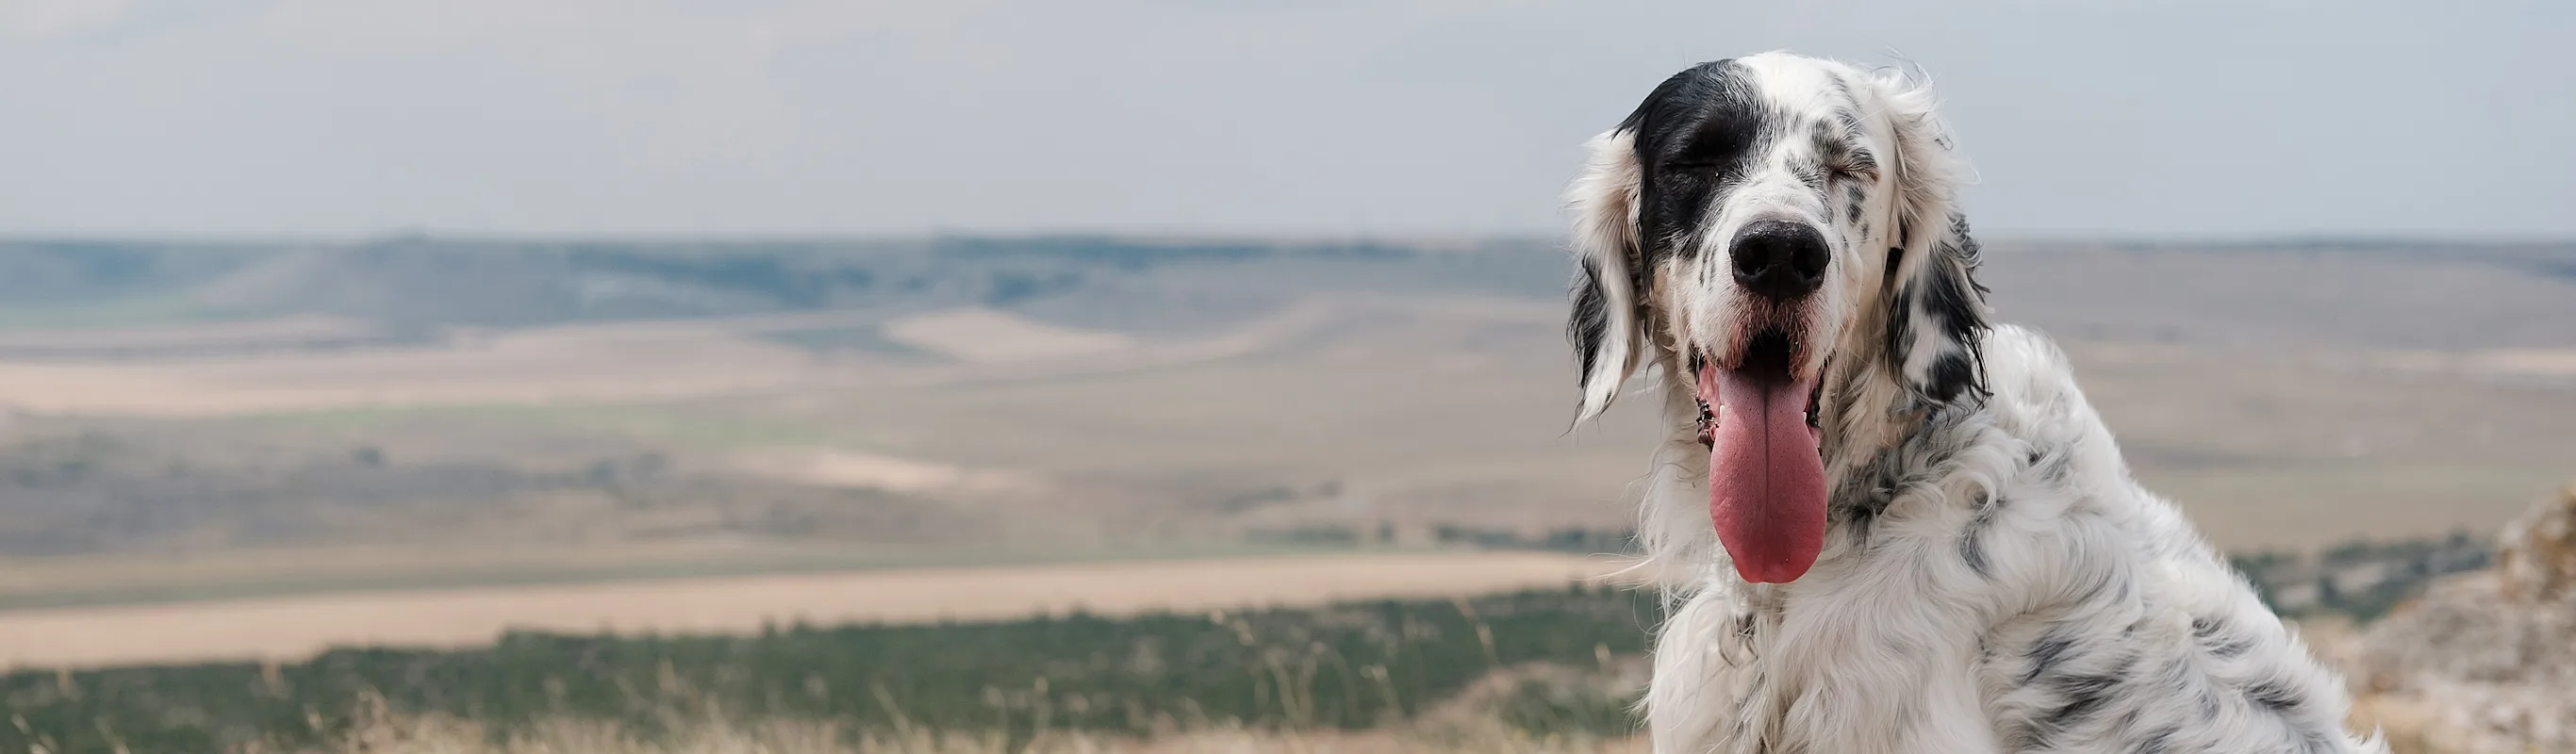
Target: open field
[[1346, 432], [194, 423], [294, 628]]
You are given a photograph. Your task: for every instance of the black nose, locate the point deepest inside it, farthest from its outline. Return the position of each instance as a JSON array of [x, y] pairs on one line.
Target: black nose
[[1779, 260]]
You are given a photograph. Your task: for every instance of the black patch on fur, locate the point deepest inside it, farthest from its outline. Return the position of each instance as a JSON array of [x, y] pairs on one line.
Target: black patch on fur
[[2274, 696], [1952, 374], [2208, 703], [1954, 302], [2232, 648], [1861, 160], [1830, 154], [2083, 694], [1589, 325], [1857, 522], [1850, 120], [2215, 636], [1696, 134], [1883, 479], [1900, 326], [2021, 737], [1952, 297], [1972, 540], [2158, 742], [2051, 464], [2045, 654], [1921, 460], [2204, 628]]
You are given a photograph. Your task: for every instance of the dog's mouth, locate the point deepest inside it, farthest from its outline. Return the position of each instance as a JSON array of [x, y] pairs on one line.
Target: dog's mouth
[[1767, 357], [1766, 477]]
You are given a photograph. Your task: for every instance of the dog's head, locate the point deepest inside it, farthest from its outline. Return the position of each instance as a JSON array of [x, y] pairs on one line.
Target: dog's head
[[1760, 227]]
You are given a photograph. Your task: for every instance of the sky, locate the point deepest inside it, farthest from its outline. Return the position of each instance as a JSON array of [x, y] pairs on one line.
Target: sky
[[350, 118]]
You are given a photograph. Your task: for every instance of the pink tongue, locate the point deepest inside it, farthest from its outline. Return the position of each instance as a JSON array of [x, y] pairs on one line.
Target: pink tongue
[[1766, 485]]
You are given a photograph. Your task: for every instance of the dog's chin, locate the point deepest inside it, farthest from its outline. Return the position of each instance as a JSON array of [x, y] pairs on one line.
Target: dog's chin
[[1766, 472]]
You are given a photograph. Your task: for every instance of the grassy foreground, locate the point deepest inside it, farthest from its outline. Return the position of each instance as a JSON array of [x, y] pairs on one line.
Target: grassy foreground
[[443, 735], [1541, 663], [1534, 671]]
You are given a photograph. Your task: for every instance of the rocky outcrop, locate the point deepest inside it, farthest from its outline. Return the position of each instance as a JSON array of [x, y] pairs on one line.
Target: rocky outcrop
[[2486, 661], [2537, 560]]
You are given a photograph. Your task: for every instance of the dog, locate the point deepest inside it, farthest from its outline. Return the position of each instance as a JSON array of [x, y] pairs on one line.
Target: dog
[[1885, 523]]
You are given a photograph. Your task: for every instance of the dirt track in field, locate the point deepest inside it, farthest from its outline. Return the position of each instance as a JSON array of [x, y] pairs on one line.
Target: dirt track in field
[[290, 628]]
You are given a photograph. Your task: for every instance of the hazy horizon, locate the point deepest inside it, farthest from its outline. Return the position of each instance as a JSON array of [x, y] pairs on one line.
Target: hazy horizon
[[2327, 241]]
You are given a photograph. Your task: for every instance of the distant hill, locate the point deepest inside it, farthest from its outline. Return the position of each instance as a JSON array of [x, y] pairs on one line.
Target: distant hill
[[413, 285]]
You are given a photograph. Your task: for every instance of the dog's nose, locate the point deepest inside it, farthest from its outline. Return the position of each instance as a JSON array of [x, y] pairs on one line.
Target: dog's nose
[[1779, 260]]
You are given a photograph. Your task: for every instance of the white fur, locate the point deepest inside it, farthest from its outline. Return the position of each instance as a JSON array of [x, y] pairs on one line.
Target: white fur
[[1993, 579], [1904, 649], [1609, 187]]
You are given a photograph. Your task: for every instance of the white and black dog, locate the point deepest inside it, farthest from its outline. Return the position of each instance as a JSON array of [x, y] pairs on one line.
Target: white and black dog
[[1887, 524]]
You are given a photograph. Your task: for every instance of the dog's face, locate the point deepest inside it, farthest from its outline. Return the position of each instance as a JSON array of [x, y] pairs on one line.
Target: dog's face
[[1739, 228], [1758, 181]]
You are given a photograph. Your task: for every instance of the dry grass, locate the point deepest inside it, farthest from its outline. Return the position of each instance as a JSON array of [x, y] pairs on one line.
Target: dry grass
[[1457, 729], [449, 736], [441, 735], [2407, 733]]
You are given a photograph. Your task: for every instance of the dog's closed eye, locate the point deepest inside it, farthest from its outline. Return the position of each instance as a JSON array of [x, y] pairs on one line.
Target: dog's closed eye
[[1857, 166]]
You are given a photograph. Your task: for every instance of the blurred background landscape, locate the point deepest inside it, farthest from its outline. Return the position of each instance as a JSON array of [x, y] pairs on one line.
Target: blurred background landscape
[[244, 452], [191, 421], [820, 377]]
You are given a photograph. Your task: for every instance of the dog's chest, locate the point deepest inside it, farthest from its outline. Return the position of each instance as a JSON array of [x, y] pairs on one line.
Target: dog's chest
[[1866, 660]]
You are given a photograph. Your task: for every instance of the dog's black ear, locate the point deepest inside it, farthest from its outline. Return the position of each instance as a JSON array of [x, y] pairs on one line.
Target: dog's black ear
[[1936, 309], [1608, 339], [1936, 316]]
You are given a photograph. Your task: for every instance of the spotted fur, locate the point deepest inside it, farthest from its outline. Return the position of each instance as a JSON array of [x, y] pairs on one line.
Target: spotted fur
[[1993, 579]]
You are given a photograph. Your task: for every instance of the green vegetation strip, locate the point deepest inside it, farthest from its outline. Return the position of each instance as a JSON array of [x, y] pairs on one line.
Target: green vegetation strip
[[1352, 665], [1348, 666]]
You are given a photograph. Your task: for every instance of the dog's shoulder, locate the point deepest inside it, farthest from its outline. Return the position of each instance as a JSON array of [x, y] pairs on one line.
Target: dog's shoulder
[[2032, 384], [2036, 405], [2131, 627]]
